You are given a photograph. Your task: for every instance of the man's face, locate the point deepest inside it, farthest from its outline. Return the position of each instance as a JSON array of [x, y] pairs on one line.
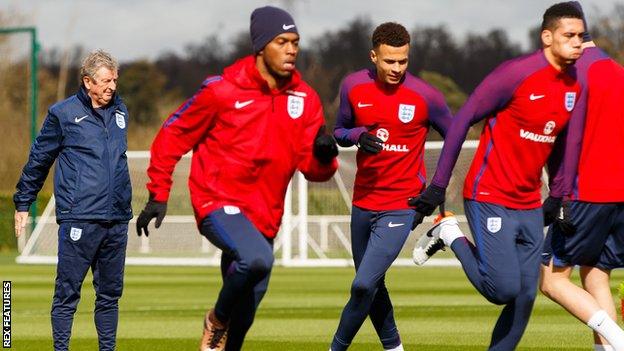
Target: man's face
[[102, 86], [565, 41], [280, 55], [391, 62]]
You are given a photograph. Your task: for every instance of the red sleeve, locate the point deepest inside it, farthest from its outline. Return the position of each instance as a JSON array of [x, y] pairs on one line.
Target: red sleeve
[[311, 168], [180, 133]]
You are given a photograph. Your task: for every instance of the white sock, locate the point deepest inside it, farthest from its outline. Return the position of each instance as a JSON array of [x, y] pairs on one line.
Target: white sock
[[602, 324], [398, 348], [599, 347], [449, 233]]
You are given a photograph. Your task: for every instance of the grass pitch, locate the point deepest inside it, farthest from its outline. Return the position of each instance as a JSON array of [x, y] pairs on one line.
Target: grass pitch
[[162, 309]]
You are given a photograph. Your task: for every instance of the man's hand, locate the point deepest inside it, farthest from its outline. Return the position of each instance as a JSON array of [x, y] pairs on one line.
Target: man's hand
[[20, 223], [418, 218], [426, 203], [551, 208], [152, 209], [564, 221], [370, 143], [325, 148]]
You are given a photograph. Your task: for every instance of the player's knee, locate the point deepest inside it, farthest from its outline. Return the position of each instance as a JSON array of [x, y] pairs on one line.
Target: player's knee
[[504, 292], [260, 266], [361, 288]]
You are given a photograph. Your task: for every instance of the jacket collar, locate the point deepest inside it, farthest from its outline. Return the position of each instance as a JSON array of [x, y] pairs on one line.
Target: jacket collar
[[245, 74], [84, 97]]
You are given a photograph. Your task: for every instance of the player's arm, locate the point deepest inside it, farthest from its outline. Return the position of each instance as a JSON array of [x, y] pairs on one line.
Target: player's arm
[[345, 131], [318, 151], [440, 116], [179, 134], [492, 94], [347, 134], [43, 152]]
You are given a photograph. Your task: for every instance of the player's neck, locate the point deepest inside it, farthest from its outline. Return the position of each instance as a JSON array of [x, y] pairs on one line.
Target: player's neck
[[557, 63]]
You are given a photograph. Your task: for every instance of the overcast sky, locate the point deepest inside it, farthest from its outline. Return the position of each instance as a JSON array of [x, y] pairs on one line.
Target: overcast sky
[[132, 29]]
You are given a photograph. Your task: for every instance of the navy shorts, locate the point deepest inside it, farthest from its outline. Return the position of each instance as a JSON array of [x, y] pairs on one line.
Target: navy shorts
[[598, 241]]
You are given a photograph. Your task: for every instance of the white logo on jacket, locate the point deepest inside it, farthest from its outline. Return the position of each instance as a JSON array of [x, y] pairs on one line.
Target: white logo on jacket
[[549, 127], [383, 134], [295, 106], [570, 99], [75, 233], [406, 113], [121, 121], [494, 224]]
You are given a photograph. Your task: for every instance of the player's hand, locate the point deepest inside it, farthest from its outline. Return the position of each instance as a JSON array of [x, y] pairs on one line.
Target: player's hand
[[426, 203], [564, 221], [551, 208], [20, 222], [325, 148], [370, 143], [418, 218], [153, 209]]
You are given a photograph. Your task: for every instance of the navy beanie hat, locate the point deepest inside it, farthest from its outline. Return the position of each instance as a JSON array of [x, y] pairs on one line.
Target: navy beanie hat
[[267, 23]]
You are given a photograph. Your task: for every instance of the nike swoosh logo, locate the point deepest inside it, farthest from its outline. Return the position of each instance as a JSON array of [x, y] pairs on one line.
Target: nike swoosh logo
[[239, 105], [534, 97], [287, 27], [360, 105], [392, 225], [77, 120]]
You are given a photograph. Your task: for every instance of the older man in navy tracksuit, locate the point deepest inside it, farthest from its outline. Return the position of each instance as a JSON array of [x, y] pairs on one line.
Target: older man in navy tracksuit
[[87, 135]]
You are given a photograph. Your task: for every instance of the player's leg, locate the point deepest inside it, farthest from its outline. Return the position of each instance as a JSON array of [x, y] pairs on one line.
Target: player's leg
[[238, 238], [491, 264], [515, 315], [596, 283], [108, 271], [76, 248], [591, 244], [243, 315], [389, 230]]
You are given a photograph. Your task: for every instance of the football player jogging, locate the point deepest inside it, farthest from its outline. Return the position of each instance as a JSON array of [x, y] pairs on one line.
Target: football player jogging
[[86, 134], [250, 129], [591, 232], [526, 102], [386, 112]]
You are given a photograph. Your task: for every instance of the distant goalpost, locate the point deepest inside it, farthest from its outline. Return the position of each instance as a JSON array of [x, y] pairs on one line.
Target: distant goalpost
[[314, 231]]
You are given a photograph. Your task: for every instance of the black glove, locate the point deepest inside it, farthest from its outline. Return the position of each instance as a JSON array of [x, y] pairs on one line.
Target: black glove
[[426, 203], [418, 218], [564, 222], [325, 148], [551, 208], [369, 143], [152, 209]]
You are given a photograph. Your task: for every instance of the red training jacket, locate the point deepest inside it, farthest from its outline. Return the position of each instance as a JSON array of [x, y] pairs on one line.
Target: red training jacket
[[247, 142]]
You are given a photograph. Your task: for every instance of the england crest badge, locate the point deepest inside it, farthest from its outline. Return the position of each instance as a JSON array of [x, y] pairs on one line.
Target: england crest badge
[[570, 98], [494, 224], [75, 233], [120, 119], [406, 113], [295, 106]]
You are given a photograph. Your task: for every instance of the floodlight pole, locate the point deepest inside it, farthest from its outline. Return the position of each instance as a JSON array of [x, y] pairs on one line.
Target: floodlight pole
[[34, 92]]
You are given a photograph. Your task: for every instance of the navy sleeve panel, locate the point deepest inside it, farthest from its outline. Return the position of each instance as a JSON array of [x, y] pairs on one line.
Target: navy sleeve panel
[[345, 132], [564, 184], [440, 115], [43, 152], [494, 92]]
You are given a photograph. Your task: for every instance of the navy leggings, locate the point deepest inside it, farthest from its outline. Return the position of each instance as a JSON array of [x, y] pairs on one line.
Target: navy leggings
[[246, 264]]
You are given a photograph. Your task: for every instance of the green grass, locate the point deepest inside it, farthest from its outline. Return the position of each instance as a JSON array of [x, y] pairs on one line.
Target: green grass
[[162, 309]]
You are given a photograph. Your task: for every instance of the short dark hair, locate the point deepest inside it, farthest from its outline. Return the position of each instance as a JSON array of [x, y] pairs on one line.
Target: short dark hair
[[559, 11], [390, 33]]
